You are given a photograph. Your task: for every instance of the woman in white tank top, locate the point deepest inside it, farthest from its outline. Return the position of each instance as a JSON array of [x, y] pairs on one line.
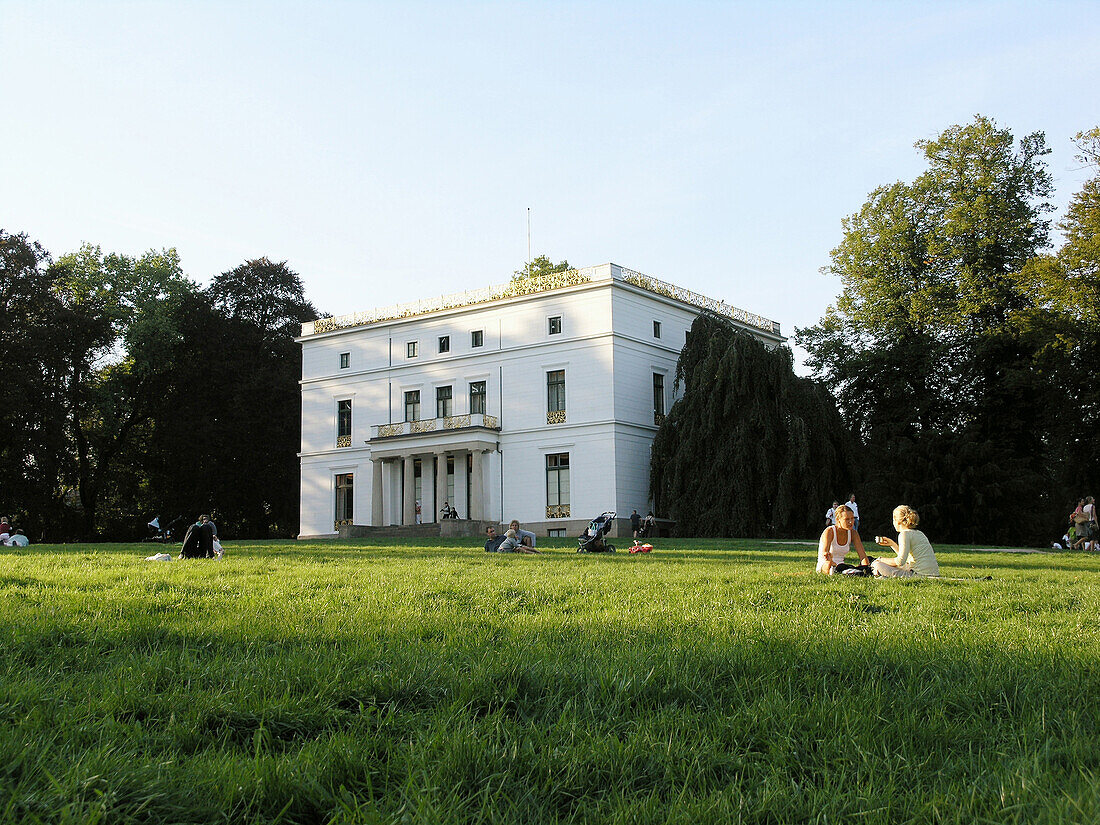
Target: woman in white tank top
[[838, 540]]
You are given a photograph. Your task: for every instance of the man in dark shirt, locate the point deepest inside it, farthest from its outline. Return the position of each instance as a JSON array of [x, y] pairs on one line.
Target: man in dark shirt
[[635, 522], [492, 545]]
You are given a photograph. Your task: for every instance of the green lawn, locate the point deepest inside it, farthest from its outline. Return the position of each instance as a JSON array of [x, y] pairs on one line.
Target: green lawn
[[712, 681]]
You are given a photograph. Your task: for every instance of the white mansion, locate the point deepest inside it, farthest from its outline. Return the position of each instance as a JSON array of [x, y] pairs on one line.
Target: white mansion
[[536, 400]]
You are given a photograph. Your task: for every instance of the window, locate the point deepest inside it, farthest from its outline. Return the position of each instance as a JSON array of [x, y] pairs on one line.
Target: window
[[687, 336], [343, 423], [658, 398], [557, 485], [656, 329], [477, 338], [345, 360], [444, 407], [444, 343], [558, 533], [555, 397], [477, 397], [344, 498], [555, 325], [412, 349], [412, 405]]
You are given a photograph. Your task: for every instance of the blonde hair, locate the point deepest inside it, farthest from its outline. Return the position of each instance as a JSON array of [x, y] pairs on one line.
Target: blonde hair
[[511, 534], [906, 516]]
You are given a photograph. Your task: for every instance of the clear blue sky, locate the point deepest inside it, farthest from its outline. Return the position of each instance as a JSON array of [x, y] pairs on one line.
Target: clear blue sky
[[389, 151]]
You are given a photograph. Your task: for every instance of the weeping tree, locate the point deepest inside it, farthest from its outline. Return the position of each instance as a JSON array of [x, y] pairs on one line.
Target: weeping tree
[[749, 449]]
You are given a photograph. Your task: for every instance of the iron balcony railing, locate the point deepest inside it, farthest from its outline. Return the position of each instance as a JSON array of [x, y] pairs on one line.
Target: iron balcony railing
[[431, 425]]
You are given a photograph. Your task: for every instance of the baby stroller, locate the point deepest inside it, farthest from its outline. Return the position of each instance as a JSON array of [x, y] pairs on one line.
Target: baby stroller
[[591, 540]]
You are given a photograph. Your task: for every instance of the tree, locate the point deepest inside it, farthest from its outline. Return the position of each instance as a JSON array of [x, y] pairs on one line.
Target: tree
[[32, 435], [933, 347], [118, 342], [230, 428], [541, 265], [749, 449]]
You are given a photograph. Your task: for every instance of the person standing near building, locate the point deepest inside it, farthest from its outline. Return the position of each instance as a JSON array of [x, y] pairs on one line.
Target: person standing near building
[[635, 522]]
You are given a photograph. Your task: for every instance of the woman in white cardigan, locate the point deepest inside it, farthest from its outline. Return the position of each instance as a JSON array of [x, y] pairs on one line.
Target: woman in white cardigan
[[915, 554]]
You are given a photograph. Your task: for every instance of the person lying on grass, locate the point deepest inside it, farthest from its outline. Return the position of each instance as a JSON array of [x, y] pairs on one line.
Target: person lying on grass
[[915, 554], [514, 544], [837, 540], [508, 543]]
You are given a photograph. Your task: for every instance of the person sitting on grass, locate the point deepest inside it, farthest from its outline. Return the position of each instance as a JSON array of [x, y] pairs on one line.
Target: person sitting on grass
[[512, 544], [836, 541], [526, 537], [915, 554]]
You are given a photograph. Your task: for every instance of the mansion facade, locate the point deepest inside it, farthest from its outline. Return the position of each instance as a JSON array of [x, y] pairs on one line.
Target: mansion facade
[[536, 400]]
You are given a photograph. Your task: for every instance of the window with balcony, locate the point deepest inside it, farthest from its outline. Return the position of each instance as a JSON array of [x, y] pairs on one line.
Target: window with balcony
[[658, 398], [555, 397], [345, 485], [412, 405], [343, 423], [345, 360], [444, 343], [444, 406], [557, 485], [477, 397], [555, 325], [477, 338], [412, 349]]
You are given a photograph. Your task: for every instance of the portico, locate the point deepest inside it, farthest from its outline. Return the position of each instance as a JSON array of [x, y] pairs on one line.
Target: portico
[[451, 454]]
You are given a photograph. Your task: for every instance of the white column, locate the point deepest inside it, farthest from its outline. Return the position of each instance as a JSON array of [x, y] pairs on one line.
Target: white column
[[376, 494], [477, 487], [428, 503], [408, 510]]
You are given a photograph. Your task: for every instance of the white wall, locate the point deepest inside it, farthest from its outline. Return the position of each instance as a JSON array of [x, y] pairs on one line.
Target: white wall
[[609, 354]]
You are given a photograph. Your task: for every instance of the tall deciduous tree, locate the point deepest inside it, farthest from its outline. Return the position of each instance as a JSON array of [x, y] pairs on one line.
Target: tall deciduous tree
[[932, 345], [32, 434], [749, 449], [118, 342], [229, 436]]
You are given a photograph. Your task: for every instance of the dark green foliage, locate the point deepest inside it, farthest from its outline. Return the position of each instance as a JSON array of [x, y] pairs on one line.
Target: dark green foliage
[[229, 431], [32, 438], [947, 353], [131, 393], [749, 449]]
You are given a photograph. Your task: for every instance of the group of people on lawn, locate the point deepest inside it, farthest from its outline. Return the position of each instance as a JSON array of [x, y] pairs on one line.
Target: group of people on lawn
[[10, 537], [915, 556], [514, 540]]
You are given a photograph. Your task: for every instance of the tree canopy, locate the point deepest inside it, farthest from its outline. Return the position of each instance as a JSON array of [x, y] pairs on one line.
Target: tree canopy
[[749, 448], [132, 392], [946, 348]]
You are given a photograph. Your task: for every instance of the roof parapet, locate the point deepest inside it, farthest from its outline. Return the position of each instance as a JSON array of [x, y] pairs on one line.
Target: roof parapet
[[533, 284]]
